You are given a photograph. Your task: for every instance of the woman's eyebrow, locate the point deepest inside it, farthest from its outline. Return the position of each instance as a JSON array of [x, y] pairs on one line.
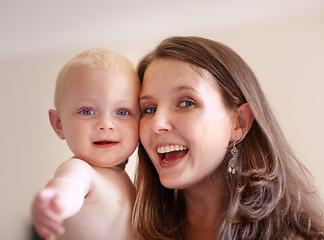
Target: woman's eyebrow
[[184, 88], [145, 97], [177, 89]]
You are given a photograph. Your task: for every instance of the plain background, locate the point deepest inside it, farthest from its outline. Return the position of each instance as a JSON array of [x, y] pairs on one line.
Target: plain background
[[282, 41]]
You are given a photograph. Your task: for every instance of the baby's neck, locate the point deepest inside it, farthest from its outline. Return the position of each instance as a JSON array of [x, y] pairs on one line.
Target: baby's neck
[[121, 167]]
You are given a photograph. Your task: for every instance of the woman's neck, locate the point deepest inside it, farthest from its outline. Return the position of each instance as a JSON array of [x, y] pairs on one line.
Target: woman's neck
[[204, 209]]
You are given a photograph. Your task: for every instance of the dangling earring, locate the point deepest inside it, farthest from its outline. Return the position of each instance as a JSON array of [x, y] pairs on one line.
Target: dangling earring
[[232, 167]]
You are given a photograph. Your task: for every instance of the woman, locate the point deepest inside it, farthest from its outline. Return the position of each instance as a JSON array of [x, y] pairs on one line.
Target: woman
[[213, 162]]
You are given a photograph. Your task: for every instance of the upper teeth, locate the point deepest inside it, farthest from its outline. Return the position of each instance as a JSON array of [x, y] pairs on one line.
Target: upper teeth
[[171, 148]]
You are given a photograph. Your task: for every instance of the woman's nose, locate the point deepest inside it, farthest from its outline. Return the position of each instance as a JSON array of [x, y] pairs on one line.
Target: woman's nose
[[161, 121]]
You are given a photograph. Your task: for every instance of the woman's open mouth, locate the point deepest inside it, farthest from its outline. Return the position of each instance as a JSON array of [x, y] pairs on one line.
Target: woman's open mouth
[[171, 152]]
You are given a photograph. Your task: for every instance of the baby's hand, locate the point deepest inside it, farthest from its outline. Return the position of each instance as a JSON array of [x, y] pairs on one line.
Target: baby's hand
[[46, 213]]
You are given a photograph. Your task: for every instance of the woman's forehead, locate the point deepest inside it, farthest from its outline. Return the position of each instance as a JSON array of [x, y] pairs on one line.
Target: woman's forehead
[[178, 73]]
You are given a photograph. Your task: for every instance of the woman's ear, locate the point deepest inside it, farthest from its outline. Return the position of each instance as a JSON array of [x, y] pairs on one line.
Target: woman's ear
[[56, 123], [244, 120]]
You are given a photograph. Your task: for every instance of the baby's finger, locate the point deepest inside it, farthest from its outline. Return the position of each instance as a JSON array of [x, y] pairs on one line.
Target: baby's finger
[[55, 227], [46, 226], [44, 232], [57, 205], [46, 194]]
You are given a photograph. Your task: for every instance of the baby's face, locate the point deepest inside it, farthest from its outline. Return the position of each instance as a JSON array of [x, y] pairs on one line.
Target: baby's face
[[100, 114]]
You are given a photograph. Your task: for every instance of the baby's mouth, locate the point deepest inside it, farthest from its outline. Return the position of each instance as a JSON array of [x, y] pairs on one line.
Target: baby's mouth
[[171, 152], [104, 142]]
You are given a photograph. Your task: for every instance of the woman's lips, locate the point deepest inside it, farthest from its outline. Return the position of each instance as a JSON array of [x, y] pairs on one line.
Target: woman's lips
[[171, 152]]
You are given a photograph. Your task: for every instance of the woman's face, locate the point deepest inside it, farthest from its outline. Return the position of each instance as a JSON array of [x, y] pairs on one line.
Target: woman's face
[[185, 126]]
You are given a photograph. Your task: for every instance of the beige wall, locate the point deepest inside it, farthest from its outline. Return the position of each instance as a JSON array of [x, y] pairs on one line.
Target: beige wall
[[286, 52]]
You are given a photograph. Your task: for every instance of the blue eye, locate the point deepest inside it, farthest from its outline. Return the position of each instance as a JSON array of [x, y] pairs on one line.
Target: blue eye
[[186, 103], [150, 110], [122, 112], [87, 111]]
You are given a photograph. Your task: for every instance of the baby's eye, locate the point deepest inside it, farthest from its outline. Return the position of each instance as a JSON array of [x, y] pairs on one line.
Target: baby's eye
[[186, 103], [122, 112], [150, 110], [87, 111]]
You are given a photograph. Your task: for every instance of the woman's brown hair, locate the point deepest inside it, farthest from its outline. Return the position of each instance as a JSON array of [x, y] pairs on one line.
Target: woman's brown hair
[[271, 195]]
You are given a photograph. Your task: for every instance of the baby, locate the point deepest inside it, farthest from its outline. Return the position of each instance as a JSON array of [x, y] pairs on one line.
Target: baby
[[97, 113]]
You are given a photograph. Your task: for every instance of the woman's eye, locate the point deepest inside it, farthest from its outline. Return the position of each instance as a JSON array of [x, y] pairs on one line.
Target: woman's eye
[[150, 110], [87, 111], [186, 104], [122, 112]]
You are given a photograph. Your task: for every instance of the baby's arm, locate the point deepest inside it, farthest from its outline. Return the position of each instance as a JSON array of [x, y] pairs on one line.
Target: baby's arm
[[62, 197]]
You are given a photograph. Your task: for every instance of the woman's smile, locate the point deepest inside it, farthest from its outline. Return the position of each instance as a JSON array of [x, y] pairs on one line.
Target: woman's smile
[[170, 153], [185, 127]]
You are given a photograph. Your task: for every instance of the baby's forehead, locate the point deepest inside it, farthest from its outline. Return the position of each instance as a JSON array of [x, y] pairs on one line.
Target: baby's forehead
[[93, 59], [84, 79]]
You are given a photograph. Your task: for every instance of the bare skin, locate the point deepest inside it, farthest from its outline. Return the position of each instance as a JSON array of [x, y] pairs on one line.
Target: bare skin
[[203, 216], [91, 196], [97, 189], [297, 237]]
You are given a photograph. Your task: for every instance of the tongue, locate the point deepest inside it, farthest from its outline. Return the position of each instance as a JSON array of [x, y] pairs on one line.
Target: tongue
[[174, 155]]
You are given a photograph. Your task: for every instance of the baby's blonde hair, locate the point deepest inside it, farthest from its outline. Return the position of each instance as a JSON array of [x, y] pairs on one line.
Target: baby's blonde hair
[[94, 58]]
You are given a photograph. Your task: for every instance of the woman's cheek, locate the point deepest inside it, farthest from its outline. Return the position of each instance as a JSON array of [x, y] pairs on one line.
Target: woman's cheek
[[142, 129]]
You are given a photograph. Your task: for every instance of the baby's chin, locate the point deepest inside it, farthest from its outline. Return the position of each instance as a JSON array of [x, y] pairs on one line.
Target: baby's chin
[[116, 166]]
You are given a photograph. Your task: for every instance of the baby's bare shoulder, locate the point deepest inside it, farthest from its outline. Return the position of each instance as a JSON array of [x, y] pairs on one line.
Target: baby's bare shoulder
[[108, 206], [113, 184]]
